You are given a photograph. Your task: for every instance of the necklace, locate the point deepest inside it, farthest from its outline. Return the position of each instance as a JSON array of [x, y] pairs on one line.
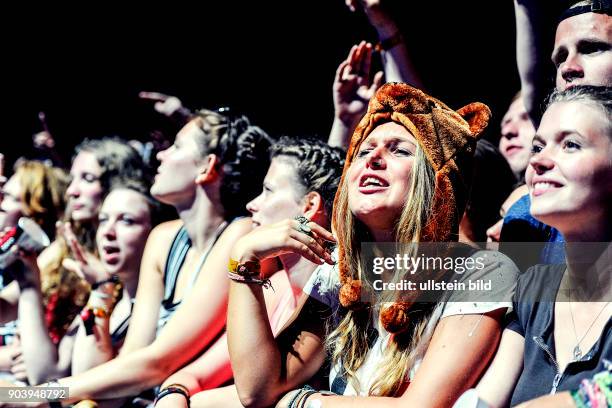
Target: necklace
[[577, 352]]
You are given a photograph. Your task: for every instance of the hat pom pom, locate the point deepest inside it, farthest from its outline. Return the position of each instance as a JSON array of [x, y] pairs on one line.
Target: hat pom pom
[[350, 294], [394, 317]]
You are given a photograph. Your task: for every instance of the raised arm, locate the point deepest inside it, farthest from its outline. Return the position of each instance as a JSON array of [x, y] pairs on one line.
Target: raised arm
[[352, 89], [535, 30], [167, 105], [396, 60], [43, 359], [9, 298]]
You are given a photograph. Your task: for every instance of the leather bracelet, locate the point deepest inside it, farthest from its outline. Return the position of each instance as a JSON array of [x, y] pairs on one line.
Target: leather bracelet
[[113, 279], [388, 43], [177, 385], [266, 283], [301, 403], [300, 397], [173, 389]]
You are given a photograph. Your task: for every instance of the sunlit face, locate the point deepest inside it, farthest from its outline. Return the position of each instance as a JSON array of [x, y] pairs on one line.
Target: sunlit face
[[11, 207], [570, 174], [179, 166], [379, 176], [583, 51], [125, 223], [85, 191], [517, 133], [281, 195]]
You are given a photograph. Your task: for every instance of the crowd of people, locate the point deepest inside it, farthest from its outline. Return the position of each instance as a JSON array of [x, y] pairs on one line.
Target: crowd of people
[[237, 271]]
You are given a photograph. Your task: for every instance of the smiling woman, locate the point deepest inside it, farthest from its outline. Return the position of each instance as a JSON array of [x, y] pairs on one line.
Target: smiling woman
[[562, 318], [569, 174]]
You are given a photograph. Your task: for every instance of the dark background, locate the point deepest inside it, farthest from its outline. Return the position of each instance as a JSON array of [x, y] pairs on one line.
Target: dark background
[[274, 61]]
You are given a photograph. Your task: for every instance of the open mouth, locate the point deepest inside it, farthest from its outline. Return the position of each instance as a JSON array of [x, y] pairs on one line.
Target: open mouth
[[371, 180], [370, 184], [110, 254]]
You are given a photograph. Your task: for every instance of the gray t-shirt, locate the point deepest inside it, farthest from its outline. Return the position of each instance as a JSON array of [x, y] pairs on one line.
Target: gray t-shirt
[[324, 286]]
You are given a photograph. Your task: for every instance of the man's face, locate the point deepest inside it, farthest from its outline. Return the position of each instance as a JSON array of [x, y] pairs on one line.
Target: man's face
[[583, 51]]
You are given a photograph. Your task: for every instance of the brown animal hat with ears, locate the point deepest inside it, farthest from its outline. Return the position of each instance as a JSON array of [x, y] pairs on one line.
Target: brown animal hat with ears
[[448, 139]]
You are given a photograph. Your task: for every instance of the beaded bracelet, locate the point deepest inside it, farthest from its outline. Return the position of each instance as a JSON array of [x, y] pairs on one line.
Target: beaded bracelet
[[113, 279], [89, 314]]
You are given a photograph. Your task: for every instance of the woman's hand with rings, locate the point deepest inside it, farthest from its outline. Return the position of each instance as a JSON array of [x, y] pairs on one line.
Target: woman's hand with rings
[[302, 237]]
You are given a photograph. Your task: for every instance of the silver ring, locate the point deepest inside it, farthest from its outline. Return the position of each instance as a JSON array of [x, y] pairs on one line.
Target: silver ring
[[303, 226]]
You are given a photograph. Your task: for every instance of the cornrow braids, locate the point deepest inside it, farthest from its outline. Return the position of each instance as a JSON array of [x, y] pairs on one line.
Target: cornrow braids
[[242, 152], [318, 165]]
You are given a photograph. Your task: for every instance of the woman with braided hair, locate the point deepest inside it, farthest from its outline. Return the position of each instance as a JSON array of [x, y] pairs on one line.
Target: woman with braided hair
[[214, 167], [301, 181], [405, 179]]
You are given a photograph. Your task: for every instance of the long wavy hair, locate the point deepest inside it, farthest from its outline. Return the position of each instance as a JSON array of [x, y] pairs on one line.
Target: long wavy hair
[[64, 292], [350, 342], [42, 193]]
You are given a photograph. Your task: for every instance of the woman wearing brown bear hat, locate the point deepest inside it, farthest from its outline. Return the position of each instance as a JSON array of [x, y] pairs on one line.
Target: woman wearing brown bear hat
[[404, 180]]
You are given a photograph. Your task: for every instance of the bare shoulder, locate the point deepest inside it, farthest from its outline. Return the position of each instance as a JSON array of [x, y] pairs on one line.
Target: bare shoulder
[[158, 245], [162, 235], [239, 226], [235, 230]]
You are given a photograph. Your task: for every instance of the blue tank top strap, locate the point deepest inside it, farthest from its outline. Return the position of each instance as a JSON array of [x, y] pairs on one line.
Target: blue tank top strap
[[176, 258], [195, 275]]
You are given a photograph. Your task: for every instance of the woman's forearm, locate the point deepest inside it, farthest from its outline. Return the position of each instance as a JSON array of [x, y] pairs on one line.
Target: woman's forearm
[[94, 349], [251, 344], [340, 133], [209, 370], [122, 377], [40, 354]]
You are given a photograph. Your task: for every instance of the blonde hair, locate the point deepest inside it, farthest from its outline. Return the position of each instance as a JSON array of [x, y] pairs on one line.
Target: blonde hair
[[42, 193], [350, 342]]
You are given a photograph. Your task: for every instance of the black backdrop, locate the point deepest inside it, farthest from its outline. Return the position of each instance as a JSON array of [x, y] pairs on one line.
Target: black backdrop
[[274, 61]]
